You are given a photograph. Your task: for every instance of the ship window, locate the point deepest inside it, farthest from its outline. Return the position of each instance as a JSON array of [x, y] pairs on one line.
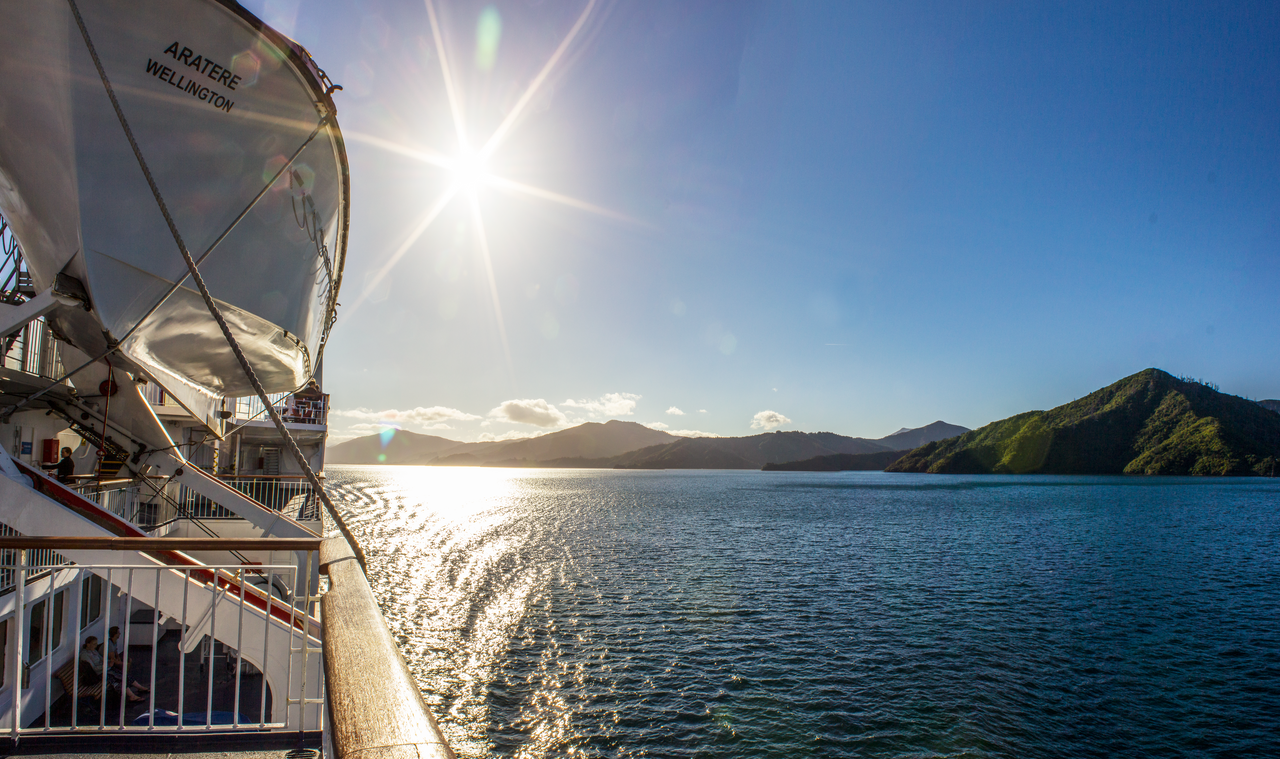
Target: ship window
[[59, 607], [90, 600], [39, 638], [4, 652]]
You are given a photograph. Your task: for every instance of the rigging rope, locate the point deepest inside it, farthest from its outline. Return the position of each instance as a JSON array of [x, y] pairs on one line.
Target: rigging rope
[[290, 443]]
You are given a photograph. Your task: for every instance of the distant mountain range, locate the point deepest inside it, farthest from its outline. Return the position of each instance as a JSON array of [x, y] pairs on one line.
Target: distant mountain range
[[618, 444], [1148, 423], [586, 441]]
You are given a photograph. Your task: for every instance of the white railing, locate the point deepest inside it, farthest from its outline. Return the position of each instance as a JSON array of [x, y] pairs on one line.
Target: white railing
[[9, 558], [292, 495], [293, 409], [139, 502], [33, 350], [201, 622], [154, 503], [156, 396]]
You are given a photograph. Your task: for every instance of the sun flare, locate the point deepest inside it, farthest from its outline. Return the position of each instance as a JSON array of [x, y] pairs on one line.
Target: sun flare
[[469, 167], [469, 171]]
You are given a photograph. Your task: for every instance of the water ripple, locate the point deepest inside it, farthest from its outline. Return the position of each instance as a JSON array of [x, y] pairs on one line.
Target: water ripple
[[748, 614]]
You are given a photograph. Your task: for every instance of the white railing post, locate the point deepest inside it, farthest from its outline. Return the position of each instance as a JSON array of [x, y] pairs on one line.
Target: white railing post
[[19, 591]]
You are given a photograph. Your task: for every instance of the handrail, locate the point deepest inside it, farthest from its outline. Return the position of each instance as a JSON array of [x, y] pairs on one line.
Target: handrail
[[376, 708], [112, 483], [161, 544]]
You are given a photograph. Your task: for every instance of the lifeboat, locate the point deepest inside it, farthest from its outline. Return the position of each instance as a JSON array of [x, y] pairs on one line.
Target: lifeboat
[[237, 128]]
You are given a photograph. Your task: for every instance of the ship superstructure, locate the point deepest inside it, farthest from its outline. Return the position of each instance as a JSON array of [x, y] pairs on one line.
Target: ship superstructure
[[173, 219]]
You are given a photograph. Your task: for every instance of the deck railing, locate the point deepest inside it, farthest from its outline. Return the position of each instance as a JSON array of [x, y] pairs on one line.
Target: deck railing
[[156, 396], [257, 619], [375, 706], [33, 350], [293, 409], [153, 503]]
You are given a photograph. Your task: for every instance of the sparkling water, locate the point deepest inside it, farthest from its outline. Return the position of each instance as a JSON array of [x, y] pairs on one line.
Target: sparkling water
[[758, 614]]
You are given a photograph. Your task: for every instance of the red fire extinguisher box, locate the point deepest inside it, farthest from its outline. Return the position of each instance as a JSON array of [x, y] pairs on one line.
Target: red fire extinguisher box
[[49, 454]]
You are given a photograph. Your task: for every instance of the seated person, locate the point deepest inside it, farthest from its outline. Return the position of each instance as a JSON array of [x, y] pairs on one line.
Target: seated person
[[91, 662], [115, 659]]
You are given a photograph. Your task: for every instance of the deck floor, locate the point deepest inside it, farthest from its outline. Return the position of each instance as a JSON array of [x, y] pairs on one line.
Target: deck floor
[[195, 687]]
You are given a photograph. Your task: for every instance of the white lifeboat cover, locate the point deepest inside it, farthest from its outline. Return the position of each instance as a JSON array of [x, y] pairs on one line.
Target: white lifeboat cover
[[217, 102]]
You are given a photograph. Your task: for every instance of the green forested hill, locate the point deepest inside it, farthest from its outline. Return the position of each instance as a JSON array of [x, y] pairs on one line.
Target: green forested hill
[[1149, 423]]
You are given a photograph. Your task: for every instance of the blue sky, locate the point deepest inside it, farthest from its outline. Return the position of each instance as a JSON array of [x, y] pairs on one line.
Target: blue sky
[[858, 216]]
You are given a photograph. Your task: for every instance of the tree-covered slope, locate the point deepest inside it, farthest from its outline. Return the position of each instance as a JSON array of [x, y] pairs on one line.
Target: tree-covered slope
[[1149, 423]]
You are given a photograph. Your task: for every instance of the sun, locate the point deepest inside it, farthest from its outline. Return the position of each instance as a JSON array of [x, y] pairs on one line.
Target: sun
[[469, 171], [469, 167]]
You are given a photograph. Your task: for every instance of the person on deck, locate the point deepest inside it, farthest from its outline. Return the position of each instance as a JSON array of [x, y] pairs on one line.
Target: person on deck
[[66, 468], [91, 659]]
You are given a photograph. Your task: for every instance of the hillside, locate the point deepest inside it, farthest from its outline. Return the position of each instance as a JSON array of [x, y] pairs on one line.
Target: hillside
[[586, 441], [905, 440], [750, 452], [840, 462], [1148, 423], [403, 447]]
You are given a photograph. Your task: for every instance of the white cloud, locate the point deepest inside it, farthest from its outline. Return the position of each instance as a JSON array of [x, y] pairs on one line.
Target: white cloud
[[767, 420], [366, 428], [537, 412], [417, 415], [489, 437], [675, 411], [702, 411], [679, 433], [609, 404]]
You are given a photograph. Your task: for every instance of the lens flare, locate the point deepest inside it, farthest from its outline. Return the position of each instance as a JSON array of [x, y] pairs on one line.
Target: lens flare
[[488, 35]]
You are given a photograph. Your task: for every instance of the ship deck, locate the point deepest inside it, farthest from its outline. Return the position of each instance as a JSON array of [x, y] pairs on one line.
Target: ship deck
[[194, 743]]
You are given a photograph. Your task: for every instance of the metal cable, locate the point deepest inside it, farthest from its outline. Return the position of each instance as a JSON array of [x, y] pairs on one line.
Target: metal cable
[[290, 443]]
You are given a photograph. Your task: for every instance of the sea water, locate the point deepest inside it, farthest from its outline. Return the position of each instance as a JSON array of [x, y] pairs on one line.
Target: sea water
[[757, 614]]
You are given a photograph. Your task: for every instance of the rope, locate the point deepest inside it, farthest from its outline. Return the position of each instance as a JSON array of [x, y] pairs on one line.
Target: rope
[[290, 443]]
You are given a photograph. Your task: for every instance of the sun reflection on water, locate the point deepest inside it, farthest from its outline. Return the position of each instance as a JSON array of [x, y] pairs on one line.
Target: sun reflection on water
[[450, 555]]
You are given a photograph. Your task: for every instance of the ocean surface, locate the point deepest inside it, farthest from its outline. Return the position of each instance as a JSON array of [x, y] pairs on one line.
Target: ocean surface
[[756, 614]]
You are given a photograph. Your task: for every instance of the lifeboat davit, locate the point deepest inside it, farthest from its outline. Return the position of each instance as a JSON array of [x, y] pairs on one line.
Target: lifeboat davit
[[218, 104]]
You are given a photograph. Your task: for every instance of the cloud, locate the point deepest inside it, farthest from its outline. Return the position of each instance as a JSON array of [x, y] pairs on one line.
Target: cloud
[[489, 437], [679, 433], [537, 412], [675, 411], [609, 404], [767, 420], [702, 411], [393, 417], [366, 427]]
